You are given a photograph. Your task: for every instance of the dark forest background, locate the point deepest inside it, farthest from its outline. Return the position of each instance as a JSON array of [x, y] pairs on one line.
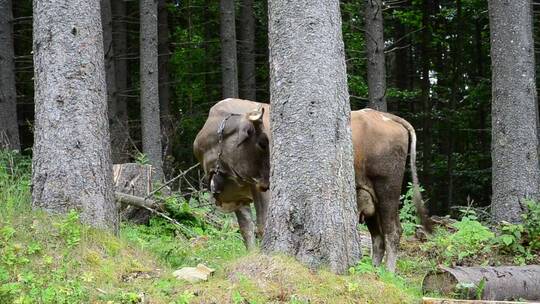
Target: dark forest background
[[447, 40]]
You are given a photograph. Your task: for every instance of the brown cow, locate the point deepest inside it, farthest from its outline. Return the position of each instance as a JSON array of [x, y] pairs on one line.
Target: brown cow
[[380, 143], [233, 148]]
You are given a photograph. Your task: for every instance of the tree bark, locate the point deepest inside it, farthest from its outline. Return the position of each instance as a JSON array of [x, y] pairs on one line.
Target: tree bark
[[499, 283], [516, 172], [246, 45], [376, 69], [71, 154], [229, 69], [312, 214], [9, 126], [151, 126], [119, 126]]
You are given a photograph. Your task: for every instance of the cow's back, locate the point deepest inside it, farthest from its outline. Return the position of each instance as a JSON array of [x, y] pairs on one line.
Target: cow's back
[[380, 144]]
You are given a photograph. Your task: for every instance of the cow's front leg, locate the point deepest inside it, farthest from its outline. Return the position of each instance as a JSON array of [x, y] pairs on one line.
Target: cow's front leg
[[247, 228], [260, 199]]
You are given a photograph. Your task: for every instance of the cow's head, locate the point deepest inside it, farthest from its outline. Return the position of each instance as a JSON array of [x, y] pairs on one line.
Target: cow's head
[[253, 149], [246, 156]]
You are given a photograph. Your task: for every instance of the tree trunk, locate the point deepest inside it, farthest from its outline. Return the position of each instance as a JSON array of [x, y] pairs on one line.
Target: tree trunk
[[151, 130], [71, 155], [120, 127], [117, 135], [164, 93], [9, 127], [487, 283], [247, 51], [376, 69], [425, 94], [163, 48], [516, 172], [312, 213], [229, 69]]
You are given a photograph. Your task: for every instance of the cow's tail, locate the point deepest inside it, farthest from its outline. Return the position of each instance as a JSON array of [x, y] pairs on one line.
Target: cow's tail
[[417, 196]]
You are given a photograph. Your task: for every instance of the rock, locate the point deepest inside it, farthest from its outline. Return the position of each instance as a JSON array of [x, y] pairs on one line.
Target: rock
[[194, 274]]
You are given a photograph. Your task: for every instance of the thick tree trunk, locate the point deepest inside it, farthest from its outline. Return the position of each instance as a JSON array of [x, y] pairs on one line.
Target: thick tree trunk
[[9, 127], [119, 125], [229, 69], [151, 130], [487, 283], [516, 172], [246, 45], [376, 69], [312, 214], [71, 154]]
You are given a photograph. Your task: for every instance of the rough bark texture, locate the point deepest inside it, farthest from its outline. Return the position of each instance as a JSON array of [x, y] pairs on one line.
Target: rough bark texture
[[121, 144], [71, 154], [376, 69], [151, 130], [229, 69], [514, 150], [312, 213], [246, 46], [116, 129], [499, 283], [9, 128]]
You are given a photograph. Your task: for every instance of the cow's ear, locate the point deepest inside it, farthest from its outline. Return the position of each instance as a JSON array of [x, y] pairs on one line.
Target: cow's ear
[[256, 115], [246, 130]]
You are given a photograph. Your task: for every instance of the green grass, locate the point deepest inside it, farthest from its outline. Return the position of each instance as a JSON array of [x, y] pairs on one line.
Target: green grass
[[56, 259]]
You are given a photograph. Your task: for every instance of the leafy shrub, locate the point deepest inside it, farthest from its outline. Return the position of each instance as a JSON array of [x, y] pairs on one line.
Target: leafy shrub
[[407, 214], [470, 239]]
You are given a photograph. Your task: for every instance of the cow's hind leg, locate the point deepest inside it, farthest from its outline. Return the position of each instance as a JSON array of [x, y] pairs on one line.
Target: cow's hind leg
[[377, 240], [388, 210], [247, 228]]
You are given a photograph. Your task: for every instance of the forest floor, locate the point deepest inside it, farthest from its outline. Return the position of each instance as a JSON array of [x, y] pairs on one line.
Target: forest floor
[[56, 259]]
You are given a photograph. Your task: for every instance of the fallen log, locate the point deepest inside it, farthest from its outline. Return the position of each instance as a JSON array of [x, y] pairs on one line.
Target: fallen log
[[136, 201], [486, 283], [453, 301], [133, 179]]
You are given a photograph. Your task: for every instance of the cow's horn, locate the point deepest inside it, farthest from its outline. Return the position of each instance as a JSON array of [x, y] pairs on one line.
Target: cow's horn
[[256, 114]]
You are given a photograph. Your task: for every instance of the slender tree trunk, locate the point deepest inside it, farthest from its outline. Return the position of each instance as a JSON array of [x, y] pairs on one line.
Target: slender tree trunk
[[71, 155], [312, 213], [425, 51], [229, 69], [516, 172], [246, 45], [164, 93], [402, 71], [376, 69], [120, 127], [116, 130], [163, 39], [9, 126], [151, 130]]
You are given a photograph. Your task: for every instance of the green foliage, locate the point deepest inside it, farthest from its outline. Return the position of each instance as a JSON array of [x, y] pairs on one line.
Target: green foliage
[[142, 159], [521, 240], [470, 239], [407, 213], [531, 224]]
